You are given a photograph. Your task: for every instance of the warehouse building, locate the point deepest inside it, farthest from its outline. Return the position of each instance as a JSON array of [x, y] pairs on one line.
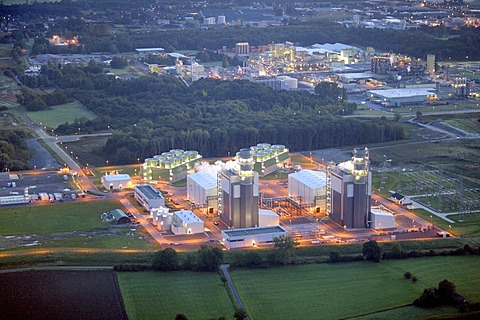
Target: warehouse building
[[116, 181], [349, 191], [239, 195], [117, 216], [148, 197], [17, 199], [268, 158], [186, 222], [381, 219], [251, 237], [170, 166], [202, 190], [403, 96], [308, 187]]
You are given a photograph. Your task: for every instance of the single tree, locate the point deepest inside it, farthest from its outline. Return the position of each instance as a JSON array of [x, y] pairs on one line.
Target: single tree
[[209, 258], [397, 250], [240, 314], [407, 275], [371, 251], [165, 260], [284, 250], [334, 256], [414, 279], [446, 291], [181, 316]]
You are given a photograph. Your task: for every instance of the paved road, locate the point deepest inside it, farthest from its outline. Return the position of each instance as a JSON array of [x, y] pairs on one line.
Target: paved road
[[224, 268]]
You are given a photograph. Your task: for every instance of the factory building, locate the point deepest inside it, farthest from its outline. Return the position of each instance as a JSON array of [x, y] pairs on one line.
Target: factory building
[[170, 166], [162, 218], [202, 190], [267, 218], [251, 237], [308, 187], [403, 96], [117, 216], [17, 199], [116, 181], [279, 83], [349, 189], [148, 197], [242, 48], [381, 219], [186, 222], [239, 193], [268, 158]]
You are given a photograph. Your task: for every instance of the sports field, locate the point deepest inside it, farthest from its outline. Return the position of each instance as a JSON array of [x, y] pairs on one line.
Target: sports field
[[57, 115], [329, 291], [163, 295]]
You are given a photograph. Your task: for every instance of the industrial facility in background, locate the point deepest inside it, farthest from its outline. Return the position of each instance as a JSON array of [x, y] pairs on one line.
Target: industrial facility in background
[[170, 166], [349, 189], [268, 158]]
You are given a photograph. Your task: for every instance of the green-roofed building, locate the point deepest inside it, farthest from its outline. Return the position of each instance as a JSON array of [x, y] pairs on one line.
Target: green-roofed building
[[268, 158], [170, 166], [118, 216]]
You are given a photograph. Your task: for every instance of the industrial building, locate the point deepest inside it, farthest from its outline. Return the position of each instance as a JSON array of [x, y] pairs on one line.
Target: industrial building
[[170, 166], [308, 187], [239, 193], [381, 219], [186, 222], [162, 218], [431, 64], [116, 181], [403, 96], [116, 216], [268, 158], [17, 199], [251, 237], [242, 48], [279, 83], [148, 197], [202, 190], [268, 218], [349, 189]]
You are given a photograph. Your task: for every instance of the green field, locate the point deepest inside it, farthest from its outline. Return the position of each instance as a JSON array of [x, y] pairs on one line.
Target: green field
[[328, 291], [62, 217], [60, 114], [468, 125], [152, 295]]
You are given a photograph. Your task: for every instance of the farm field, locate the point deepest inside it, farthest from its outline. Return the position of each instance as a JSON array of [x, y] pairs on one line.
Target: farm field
[[323, 291], [57, 115], [470, 125], [61, 295], [155, 295]]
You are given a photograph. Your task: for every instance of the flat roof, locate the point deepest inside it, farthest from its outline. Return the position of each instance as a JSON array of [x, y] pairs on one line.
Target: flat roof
[[253, 231], [187, 216], [265, 212], [310, 178], [379, 212], [359, 75], [149, 192], [204, 179], [116, 177], [403, 92], [149, 49]]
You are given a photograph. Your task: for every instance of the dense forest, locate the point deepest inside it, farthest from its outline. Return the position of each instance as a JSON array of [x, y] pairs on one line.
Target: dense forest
[[14, 153], [153, 114]]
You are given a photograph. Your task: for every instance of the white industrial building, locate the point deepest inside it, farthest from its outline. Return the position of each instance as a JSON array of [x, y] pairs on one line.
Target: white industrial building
[[116, 181], [18, 199], [402, 96], [162, 218], [186, 222], [148, 197], [202, 190], [251, 237], [268, 218], [307, 186], [381, 219]]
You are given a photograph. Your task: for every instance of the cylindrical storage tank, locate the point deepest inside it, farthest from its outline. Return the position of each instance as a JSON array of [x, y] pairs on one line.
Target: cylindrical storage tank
[[245, 160], [192, 154], [168, 163], [280, 148], [167, 154], [176, 152], [184, 158], [151, 162], [263, 145]]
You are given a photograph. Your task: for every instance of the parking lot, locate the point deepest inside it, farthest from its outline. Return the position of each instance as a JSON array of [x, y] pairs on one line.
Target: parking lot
[[36, 182]]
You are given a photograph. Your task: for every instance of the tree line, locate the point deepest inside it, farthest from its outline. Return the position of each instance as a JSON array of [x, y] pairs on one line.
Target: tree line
[[14, 153]]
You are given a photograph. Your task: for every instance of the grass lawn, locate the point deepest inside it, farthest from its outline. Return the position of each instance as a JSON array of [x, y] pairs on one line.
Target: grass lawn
[[62, 217], [60, 114], [156, 295], [328, 291], [126, 240], [470, 125]]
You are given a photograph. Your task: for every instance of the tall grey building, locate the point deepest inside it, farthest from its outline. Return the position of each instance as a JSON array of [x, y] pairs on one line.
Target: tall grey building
[[351, 190], [240, 193]]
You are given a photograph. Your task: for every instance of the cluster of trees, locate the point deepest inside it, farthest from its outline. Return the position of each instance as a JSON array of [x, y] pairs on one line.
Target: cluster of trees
[[34, 100], [445, 294], [206, 259], [158, 113], [14, 153], [414, 42]]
